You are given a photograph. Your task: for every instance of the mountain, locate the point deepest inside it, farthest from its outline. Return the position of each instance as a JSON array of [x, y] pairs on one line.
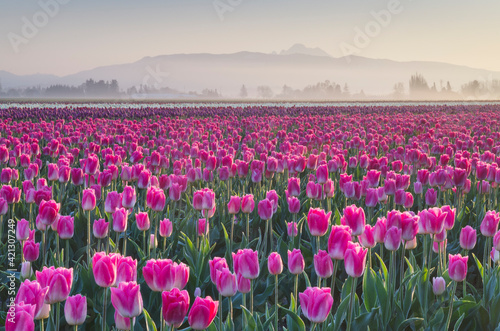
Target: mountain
[[301, 49], [297, 67]]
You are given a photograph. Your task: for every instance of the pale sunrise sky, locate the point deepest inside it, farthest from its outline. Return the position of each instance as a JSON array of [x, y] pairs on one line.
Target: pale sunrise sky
[[84, 34]]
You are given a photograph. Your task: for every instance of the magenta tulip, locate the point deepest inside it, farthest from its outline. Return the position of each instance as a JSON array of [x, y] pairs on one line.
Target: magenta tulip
[[75, 309], [202, 313], [127, 299], [457, 267], [316, 303], [318, 221], [175, 305]]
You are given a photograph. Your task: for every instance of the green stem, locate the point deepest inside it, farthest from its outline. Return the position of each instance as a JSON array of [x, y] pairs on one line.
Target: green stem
[[131, 324], [104, 307], [58, 315], [58, 253], [295, 290], [156, 224], [42, 326], [220, 312], [67, 253], [314, 326], [450, 312], [88, 238], [251, 296], [116, 242], [276, 303], [401, 272], [351, 302], [248, 228]]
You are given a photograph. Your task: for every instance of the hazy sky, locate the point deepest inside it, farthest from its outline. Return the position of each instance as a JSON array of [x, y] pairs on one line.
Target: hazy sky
[[83, 34]]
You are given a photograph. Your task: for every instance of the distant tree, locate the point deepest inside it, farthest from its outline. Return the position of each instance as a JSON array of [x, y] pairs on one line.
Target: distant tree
[[346, 89], [264, 91], [418, 85], [243, 91], [399, 89], [473, 89], [448, 86], [287, 90]]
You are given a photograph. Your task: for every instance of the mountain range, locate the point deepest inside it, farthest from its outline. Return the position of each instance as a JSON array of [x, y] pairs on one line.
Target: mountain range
[[297, 67]]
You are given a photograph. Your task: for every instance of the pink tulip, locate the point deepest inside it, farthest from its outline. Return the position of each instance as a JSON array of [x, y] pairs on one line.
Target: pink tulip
[[126, 270], [318, 221], [204, 199], [409, 226], [366, 239], [431, 197], [142, 221], [175, 305], [104, 268], [22, 230], [438, 285], [120, 220], [435, 218], [31, 251], [489, 225], [495, 255], [273, 197], [371, 199], [100, 228], [468, 238], [457, 267], [75, 309], [265, 209], [379, 230], [129, 197], [226, 282], [164, 275], [292, 229], [234, 205], [355, 260], [122, 323], [48, 212], [338, 241], [323, 264], [202, 313], [354, 217], [26, 270], [496, 241], [436, 245], [77, 176], [88, 199], [293, 205], [246, 262], [392, 239], [449, 221], [59, 282], [203, 227], [20, 317], [275, 264], [66, 227], [244, 285], [113, 202], [127, 299], [296, 262], [294, 186], [155, 199], [247, 204], [31, 292], [166, 228], [316, 303], [411, 244], [217, 264]]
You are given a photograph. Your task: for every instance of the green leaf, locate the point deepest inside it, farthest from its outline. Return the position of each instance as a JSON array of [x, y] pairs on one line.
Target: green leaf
[[414, 323], [341, 312], [251, 325], [479, 266], [298, 323], [369, 289], [150, 324], [384, 270], [459, 322], [361, 322]]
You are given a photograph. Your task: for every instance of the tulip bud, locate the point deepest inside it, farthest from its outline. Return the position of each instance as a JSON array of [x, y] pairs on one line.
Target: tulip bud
[[438, 285], [457, 267], [275, 264], [296, 262], [323, 264], [75, 309]]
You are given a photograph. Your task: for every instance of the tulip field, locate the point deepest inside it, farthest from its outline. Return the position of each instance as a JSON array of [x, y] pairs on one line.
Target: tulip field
[[254, 217]]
